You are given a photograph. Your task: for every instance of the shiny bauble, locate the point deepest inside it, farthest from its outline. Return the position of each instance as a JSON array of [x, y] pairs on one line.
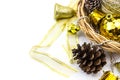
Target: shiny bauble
[[96, 16], [73, 29], [110, 27], [108, 75]]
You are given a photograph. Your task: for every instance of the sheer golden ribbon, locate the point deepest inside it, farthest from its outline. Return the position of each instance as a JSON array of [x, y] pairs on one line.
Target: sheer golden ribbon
[[56, 30]]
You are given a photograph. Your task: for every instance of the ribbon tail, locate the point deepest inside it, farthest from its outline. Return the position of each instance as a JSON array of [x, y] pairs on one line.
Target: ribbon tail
[[53, 33], [52, 63], [38, 52], [71, 41]]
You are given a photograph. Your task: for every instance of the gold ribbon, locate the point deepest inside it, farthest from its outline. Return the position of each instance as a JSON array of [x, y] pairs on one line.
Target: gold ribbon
[[43, 57], [51, 62], [71, 40], [38, 52]]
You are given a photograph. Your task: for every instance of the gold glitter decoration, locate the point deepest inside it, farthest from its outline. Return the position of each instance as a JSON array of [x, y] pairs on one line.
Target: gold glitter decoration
[[72, 28], [63, 12], [108, 76], [110, 27], [96, 16]]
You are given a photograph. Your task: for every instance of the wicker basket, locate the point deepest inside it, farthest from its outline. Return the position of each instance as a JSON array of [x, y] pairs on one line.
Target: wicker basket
[[111, 46]]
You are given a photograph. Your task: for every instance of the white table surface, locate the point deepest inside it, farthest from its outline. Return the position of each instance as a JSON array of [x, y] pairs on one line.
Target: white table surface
[[23, 23]]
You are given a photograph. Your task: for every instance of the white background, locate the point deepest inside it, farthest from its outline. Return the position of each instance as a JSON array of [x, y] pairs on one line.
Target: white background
[[23, 23]]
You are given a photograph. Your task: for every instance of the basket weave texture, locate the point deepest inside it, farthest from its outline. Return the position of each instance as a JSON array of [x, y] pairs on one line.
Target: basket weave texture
[[110, 46]]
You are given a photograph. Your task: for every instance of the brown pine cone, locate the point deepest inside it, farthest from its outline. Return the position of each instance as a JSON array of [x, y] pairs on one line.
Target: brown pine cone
[[91, 5], [90, 58]]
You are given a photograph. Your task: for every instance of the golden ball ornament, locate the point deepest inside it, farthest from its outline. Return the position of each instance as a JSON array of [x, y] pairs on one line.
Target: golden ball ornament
[[110, 27]]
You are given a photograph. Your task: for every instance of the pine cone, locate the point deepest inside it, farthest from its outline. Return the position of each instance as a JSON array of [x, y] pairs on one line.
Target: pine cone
[[91, 5], [90, 58]]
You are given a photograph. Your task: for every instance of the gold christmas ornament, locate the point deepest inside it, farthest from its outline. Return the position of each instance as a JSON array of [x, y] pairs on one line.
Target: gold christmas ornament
[[110, 27], [96, 16], [63, 12], [72, 28], [108, 76], [109, 24]]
